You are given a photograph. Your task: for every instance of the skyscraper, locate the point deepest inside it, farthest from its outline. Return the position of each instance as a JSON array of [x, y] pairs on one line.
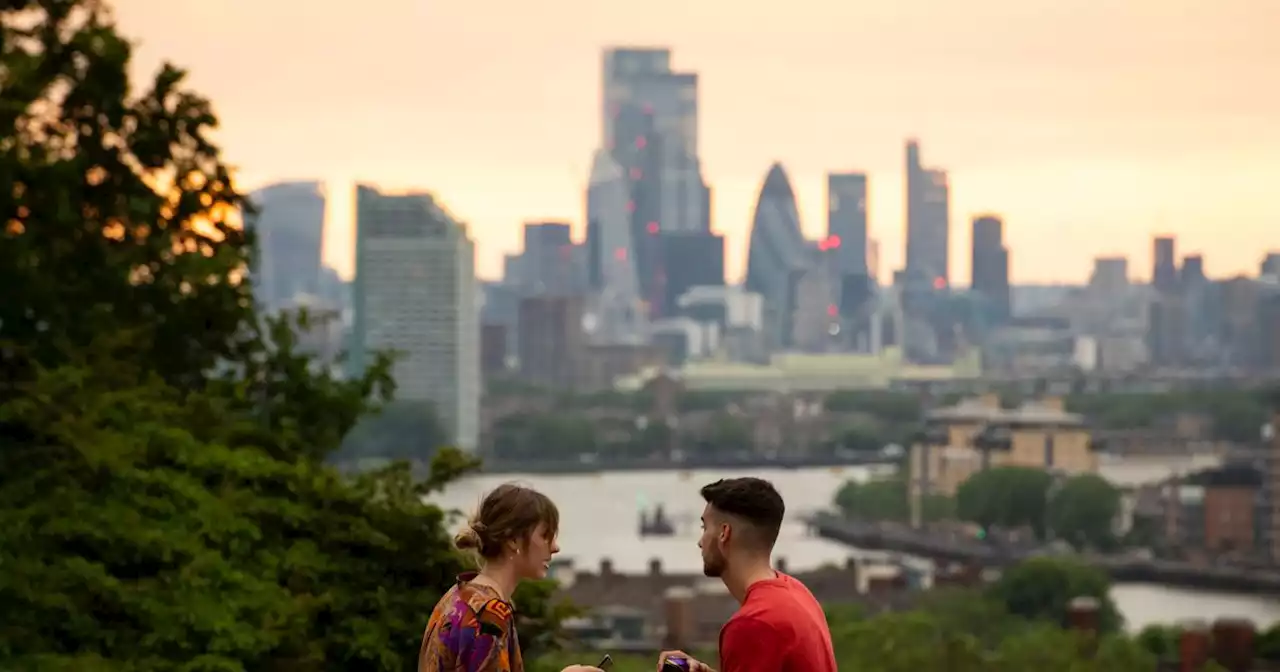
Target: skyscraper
[[1164, 264], [928, 222], [990, 264], [690, 259], [290, 229], [650, 127], [415, 294], [777, 256], [618, 311], [847, 221]]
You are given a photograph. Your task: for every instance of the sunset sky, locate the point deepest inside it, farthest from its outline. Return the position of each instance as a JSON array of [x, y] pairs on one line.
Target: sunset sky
[[1090, 126]]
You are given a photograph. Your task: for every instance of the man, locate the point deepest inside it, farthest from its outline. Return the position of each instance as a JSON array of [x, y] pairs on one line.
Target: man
[[779, 626]]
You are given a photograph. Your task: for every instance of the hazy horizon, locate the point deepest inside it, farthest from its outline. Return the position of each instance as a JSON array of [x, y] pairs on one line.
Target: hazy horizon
[[1089, 129]]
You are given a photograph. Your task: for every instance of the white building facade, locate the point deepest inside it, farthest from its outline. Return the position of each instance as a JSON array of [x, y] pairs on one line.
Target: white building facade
[[415, 295]]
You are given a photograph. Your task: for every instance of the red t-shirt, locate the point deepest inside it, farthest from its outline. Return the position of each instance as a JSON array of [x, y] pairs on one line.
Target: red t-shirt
[[780, 627]]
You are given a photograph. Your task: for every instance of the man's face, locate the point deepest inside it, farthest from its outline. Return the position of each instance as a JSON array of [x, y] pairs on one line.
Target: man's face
[[713, 542]]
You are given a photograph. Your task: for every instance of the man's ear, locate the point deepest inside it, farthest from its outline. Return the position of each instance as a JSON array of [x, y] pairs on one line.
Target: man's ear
[[726, 532]]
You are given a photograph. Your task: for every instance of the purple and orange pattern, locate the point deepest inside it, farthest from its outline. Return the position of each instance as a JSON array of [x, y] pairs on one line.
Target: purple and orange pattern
[[472, 629]]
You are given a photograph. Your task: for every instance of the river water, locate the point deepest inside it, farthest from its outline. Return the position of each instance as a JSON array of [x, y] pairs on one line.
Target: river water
[[599, 519]]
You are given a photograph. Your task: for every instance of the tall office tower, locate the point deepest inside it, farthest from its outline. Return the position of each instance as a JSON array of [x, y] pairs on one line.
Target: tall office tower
[[928, 222], [650, 124], [619, 313], [691, 259], [415, 294], [777, 256], [551, 340], [550, 264], [1110, 273], [1270, 264], [1164, 267], [290, 229], [1192, 272], [990, 274], [847, 221]]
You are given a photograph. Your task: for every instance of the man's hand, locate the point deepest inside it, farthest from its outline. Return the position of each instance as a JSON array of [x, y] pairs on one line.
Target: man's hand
[[695, 665]]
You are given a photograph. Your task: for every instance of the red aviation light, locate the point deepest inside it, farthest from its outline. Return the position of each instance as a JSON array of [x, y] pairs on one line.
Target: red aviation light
[[641, 141], [620, 254], [832, 311], [939, 282], [652, 228]]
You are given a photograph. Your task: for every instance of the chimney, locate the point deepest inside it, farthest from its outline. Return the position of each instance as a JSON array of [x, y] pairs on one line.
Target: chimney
[[1233, 644], [1193, 647], [1082, 618], [1082, 614], [678, 608], [989, 400], [1052, 402], [606, 568], [655, 567], [780, 564]]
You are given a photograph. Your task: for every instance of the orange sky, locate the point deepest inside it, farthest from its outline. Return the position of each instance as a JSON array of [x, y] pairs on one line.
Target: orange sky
[[1091, 126]]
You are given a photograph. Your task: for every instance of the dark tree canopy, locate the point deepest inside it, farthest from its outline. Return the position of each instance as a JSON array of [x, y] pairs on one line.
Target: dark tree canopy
[[1008, 497], [164, 499]]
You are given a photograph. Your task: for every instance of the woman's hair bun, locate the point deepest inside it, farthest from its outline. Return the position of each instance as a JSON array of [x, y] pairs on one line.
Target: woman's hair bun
[[469, 538]]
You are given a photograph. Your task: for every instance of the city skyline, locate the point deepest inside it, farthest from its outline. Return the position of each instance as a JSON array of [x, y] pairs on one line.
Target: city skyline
[[1155, 129]]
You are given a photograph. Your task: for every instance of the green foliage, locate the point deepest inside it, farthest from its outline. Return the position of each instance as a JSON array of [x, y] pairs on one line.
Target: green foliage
[[401, 430], [960, 630], [164, 501], [1007, 497], [888, 407], [1268, 643], [886, 499], [539, 615], [1083, 511], [727, 434], [542, 436], [128, 537], [905, 642], [1237, 414], [1042, 588], [113, 205], [1160, 641]]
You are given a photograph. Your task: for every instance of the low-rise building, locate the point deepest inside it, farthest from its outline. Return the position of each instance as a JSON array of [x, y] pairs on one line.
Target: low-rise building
[[1218, 512], [977, 434]]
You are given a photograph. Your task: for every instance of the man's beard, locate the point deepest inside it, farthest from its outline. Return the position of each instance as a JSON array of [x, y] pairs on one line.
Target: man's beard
[[713, 565]]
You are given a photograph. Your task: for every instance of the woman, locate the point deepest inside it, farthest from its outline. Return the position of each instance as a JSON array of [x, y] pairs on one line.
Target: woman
[[472, 628]]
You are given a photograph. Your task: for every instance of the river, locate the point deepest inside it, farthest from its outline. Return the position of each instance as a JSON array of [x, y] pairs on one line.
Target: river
[[599, 518]]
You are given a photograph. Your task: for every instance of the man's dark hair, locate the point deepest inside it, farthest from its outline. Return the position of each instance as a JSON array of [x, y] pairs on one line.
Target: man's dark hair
[[754, 500]]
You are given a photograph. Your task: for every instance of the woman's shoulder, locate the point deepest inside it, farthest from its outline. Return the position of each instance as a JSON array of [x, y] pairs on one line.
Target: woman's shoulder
[[491, 614], [472, 606]]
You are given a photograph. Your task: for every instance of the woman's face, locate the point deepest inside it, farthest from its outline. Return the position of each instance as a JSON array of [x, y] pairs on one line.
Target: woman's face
[[534, 559]]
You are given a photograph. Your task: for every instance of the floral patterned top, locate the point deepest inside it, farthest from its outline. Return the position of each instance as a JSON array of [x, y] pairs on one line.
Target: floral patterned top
[[472, 629]]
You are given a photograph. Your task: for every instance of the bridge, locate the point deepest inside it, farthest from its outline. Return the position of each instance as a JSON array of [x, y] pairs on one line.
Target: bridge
[[955, 549]]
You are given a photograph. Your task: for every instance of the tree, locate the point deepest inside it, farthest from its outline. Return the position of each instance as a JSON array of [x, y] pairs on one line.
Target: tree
[[1268, 644], [905, 642], [1007, 497], [1051, 649], [1160, 641], [128, 538], [1042, 588], [886, 499], [400, 430], [1083, 512], [542, 436], [164, 500], [726, 435], [113, 205]]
